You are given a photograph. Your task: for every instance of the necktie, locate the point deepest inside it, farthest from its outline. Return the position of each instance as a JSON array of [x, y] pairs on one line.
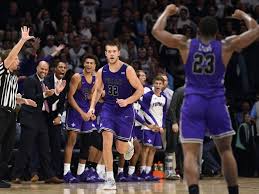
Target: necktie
[[45, 102]]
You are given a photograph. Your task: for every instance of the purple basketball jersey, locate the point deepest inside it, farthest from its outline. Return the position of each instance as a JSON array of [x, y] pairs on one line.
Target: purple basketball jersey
[[116, 119], [74, 120], [204, 69], [116, 85], [81, 95], [204, 107]]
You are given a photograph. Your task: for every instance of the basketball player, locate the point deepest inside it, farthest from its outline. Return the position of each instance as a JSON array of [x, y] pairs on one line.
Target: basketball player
[[155, 102], [78, 118], [204, 105], [122, 88]]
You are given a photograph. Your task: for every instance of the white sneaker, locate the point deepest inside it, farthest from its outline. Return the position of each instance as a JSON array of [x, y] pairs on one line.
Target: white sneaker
[[172, 176], [109, 184], [102, 175], [128, 155]]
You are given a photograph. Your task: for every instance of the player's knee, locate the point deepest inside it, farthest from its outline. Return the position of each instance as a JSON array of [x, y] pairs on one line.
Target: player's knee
[[223, 145], [107, 135], [145, 149], [152, 150], [137, 147], [121, 147], [224, 148], [71, 141], [121, 150], [107, 144]]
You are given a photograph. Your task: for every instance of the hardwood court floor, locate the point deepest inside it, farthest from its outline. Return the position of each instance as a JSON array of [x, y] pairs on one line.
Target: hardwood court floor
[[208, 186]]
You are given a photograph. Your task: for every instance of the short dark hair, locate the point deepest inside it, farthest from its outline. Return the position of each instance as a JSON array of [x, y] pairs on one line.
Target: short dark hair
[[113, 43], [139, 71], [159, 78], [91, 56], [58, 62], [208, 26]]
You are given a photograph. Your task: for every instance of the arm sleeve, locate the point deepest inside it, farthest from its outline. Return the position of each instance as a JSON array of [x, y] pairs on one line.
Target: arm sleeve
[[145, 105], [139, 118], [2, 69]]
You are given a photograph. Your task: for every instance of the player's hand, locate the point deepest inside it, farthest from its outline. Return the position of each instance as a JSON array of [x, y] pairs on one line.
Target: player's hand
[[91, 111], [122, 102], [161, 130], [175, 127], [171, 10], [155, 128], [149, 126], [25, 33], [238, 14], [57, 121], [59, 48], [86, 116], [93, 117]]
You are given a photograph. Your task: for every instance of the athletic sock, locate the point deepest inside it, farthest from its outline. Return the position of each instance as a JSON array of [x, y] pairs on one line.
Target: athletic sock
[[80, 168], [194, 189], [120, 170], [142, 169], [66, 168], [233, 190], [131, 170], [148, 169]]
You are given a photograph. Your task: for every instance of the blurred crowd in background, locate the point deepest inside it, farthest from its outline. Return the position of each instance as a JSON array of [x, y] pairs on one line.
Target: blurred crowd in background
[[84, 26]]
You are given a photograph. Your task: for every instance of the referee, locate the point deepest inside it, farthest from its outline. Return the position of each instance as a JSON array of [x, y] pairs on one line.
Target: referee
[[8, 92]]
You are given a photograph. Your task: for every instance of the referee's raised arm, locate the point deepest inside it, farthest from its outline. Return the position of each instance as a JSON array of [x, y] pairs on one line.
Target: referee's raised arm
[[11, 60], [8, 92]]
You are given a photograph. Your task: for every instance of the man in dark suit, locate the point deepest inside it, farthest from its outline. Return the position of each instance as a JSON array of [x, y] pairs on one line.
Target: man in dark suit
[[54, 116], [34, 124]]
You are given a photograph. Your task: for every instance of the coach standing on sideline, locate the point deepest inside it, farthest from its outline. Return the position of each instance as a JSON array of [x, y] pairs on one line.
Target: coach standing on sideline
[[8, 92]]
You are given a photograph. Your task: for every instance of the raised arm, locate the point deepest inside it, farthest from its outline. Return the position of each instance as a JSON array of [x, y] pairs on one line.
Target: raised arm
[[249, 21], [57, 50], [230, 44], [170, 40], [10, 59]]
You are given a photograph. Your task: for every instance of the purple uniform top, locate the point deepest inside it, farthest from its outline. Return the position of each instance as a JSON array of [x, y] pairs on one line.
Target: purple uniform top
[[204, 69], [81, 95], [116, 85], [204, 108]]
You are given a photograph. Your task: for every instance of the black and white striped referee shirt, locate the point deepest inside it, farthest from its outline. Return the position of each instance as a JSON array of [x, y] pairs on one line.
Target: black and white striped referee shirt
[[8, 88]]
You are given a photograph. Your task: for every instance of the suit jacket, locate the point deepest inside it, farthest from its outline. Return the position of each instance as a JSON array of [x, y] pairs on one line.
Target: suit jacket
[[33, 90], [49, 82]]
